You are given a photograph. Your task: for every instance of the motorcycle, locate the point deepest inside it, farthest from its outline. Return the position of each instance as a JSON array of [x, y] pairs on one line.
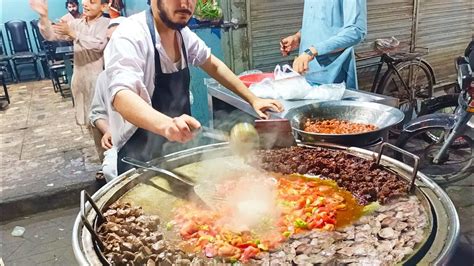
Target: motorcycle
[[444, 141]]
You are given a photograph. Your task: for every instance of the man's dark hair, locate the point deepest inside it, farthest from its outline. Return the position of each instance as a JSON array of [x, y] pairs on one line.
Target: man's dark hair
[[72, 2]]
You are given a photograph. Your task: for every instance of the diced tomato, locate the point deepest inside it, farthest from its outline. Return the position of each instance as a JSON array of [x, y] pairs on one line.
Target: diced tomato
[[210, 251], [249, 253], [291, 197], [188, 229], [228, 251], [324, 188], [315, 223], [235, 241], [272, 239], [298, 230], [246, 245], [301, 204]]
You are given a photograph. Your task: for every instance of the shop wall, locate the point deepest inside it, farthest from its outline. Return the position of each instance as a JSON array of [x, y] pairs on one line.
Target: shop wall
[[199, 107], [134, 6], [268, 22]]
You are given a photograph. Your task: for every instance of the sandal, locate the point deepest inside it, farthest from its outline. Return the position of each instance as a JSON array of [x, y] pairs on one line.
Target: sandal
[[99, 176]]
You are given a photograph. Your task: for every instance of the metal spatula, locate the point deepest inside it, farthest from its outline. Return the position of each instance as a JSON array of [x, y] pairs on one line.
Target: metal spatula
[[163, 172], [200, 194]]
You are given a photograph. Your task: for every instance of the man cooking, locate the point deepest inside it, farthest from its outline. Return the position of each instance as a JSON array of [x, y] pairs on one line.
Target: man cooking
[[329, 31], [147, 64]]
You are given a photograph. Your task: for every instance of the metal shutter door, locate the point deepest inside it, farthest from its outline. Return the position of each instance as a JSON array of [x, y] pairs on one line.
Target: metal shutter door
[[268, 22], [446, 27], [385, 18]]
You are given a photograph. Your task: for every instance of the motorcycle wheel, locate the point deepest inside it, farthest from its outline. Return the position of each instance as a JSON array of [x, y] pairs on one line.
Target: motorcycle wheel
[[447, 106], [458, 164]]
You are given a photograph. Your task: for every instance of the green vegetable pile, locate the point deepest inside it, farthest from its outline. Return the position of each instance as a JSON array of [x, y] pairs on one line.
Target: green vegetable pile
[[208, 10]]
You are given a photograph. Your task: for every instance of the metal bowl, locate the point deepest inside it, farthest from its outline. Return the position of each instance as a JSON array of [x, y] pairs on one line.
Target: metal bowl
[[379, 115]]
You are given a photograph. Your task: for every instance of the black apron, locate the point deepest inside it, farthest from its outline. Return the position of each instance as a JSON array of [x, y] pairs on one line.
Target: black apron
[[170, 97]]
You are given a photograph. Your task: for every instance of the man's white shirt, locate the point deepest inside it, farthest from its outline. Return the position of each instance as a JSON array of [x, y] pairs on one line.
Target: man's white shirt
[[130, 64]]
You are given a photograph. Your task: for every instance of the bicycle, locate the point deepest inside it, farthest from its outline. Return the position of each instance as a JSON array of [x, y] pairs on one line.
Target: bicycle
[[447, 155], [408, 77]]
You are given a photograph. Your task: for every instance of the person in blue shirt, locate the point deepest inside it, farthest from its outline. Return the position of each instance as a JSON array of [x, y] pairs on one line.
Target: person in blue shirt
[[330, 30]]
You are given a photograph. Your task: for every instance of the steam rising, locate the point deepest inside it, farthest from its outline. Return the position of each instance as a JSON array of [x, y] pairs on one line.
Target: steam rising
[[249, 193], [254, 200]]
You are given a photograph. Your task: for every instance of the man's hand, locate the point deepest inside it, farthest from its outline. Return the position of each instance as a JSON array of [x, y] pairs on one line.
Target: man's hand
[[180, 128], [261, 106], [106, 141], [62, 28], [301, 63], [289, 43], [40, 6]]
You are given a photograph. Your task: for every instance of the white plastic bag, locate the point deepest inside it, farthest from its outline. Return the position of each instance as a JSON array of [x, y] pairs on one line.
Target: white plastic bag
[[288, 84], [264, 89], [326, 92]]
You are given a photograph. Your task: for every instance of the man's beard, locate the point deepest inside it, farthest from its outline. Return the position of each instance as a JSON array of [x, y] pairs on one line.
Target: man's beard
[[166, 19], [74, 13]]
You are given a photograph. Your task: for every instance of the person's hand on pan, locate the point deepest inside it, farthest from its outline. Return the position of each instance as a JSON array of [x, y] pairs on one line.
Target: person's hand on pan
[[262, 106]]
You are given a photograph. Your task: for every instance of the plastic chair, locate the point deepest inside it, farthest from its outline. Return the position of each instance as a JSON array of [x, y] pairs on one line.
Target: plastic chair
[[39, 40], [20, 45], [4, 85], [56, 67], [5, 59]]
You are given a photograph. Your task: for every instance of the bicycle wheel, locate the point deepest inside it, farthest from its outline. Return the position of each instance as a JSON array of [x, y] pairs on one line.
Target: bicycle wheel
[[417, 76], [456, 166]]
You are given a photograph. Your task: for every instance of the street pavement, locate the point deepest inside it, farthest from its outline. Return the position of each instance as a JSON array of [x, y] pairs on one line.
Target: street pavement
[[45, 157], [46, 240]]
